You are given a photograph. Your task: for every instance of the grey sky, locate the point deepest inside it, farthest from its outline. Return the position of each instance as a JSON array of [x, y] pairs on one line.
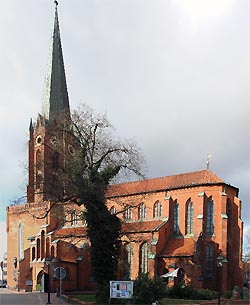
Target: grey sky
[[172, 74]]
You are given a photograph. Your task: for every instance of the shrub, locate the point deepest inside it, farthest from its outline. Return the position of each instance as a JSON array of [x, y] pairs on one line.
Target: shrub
[[228, 294], [188, 292], [175, 292], [206, 294], [148, 290]]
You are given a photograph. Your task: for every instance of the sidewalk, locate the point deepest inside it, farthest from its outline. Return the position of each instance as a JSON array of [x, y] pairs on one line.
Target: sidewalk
[[42, 296]]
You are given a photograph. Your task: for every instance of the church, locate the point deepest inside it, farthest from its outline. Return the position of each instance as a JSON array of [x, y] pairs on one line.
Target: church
[[184, 228]]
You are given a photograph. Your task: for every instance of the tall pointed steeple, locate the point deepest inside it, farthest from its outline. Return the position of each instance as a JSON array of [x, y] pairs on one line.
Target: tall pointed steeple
[[55, 98]]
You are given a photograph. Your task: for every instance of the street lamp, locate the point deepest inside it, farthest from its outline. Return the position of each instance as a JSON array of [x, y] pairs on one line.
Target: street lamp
[[220, 261], [48, 261]]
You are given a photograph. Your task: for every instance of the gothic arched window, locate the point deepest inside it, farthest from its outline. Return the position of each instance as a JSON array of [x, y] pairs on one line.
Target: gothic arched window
[[142, 211], [47, 247], [38, 248], [189, 217], [127, 213], [210, 217], [74, 218], [42, 244], [229, 218], [209, 261], [127, 261], [176, 218], [52, 251], [20, 241], [112, 210], [144, 251], [157, 209], [33, 253]]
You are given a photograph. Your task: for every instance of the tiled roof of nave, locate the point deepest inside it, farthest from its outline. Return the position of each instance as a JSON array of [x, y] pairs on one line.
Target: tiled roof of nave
[[163, 183]]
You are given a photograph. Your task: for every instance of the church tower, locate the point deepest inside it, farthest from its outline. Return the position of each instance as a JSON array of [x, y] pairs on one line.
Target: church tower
[[47, 142]]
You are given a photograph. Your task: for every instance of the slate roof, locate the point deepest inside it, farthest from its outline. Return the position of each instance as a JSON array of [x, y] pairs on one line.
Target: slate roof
[[55, 98], [203, 177]]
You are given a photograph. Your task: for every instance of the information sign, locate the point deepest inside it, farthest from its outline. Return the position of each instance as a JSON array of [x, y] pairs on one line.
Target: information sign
[[121, 289]]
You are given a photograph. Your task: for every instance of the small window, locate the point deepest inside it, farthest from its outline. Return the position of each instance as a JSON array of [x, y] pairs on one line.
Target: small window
[[112, 210], [141, 211], [74, 218], [157, 209], [127, 213], [33, 253]]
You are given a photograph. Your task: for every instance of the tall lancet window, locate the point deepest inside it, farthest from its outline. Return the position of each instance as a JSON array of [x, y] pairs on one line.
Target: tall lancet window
[[128, 261], [176, 216], [144, 251], [210, 217], [189, 217], [20, 241], [209, 261], [229, 218]]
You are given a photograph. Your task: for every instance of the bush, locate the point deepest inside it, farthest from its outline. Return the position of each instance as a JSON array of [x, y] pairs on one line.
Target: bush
[[188, 292], [228, 294], [206, 294], [175, 292], [148, 290]]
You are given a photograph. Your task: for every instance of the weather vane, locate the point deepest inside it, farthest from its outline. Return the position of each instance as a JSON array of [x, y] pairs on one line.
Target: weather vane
[[209, 156]]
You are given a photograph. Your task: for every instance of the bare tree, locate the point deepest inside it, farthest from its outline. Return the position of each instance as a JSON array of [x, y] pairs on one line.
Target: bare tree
[[88, 159]]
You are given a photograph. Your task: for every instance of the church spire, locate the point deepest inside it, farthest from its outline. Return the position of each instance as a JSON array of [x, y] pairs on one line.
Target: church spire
[[55, 98]]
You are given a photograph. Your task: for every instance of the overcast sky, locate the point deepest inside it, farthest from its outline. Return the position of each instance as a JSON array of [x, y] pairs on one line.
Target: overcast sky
[[172, 74]]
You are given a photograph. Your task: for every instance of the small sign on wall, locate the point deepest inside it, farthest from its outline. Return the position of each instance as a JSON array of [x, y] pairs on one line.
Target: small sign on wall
[[121, 289]]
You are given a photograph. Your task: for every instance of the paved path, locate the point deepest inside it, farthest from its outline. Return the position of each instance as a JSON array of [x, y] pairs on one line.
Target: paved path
[[8, 297]]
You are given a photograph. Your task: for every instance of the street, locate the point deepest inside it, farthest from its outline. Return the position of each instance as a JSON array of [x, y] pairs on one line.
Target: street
[[9, 297]]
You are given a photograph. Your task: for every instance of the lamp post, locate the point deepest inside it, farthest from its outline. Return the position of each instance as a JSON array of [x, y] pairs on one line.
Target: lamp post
[[48, 262], [220, 261]]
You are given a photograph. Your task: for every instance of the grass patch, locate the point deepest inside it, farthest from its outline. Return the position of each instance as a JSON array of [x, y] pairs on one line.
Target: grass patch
[[85, 297]]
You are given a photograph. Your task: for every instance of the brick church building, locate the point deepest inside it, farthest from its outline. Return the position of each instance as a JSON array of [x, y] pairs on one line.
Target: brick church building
[[177, 226]]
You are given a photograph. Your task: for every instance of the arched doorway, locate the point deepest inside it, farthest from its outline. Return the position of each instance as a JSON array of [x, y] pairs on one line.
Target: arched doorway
[[180, 276], [42, 281]]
